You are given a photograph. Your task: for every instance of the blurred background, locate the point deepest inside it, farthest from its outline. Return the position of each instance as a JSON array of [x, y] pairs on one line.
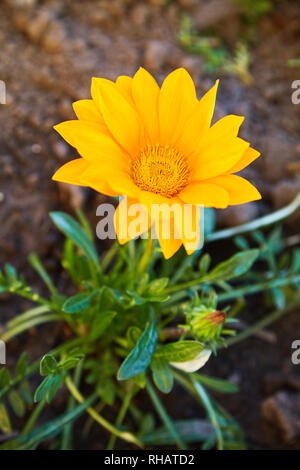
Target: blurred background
[[50, 50]]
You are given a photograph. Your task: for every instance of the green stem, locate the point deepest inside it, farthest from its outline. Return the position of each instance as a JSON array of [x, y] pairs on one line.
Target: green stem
[[120, 418], [33, 417], [258, 288], [16, 330], [113, 250], [265, 321], [147, 255], [210, 410], [257, 223], [126, 436], [66, 442], [164, 415]]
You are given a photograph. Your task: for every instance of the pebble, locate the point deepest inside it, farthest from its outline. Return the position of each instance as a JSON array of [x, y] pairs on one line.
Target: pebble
[[54, 37], [157, 53], [282, 411]]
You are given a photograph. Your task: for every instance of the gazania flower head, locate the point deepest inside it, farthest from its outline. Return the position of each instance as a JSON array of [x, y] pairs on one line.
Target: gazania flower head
[[157, 146]]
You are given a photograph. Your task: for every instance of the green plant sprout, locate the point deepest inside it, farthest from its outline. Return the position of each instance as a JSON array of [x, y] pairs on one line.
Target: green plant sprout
[[135, 326]]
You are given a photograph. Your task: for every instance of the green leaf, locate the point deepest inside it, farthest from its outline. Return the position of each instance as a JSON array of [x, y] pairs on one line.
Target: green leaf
[[48, 365], [5, 425], [16, 403], [22, 364], [233, 267], [192, 430], [36, 263], [26, 393], [5, 377], [182, 351], [48, 430], [73, 230], [140, 357], [101, 323], [43, 388], [162, 374], [70, 362], [78, 302], [223, 386], [157, 286]]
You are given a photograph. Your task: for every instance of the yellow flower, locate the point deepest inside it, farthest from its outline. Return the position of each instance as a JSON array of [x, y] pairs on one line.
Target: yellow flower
[[156, 145]]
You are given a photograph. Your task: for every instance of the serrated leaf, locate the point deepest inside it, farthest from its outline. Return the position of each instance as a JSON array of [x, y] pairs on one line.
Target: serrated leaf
[[181, 351], [74, 230], [140, 357], [162, 374], [233, 267]]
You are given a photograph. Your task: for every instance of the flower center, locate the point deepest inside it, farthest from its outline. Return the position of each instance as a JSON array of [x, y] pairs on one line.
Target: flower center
[[160, 170]]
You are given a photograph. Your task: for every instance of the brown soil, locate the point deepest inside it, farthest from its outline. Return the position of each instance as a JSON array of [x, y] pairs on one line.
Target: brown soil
[[49, 52]]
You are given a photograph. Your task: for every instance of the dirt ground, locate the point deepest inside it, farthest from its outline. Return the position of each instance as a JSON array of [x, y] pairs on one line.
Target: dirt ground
[[49, 52]]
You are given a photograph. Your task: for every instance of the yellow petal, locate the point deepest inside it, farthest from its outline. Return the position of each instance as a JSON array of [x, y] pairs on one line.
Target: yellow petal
[[218, 158], [198, 122], [240, 190], [86, 110], [248, 157], [169, 245], [124, 84], [156, 203], [176, 101], [97, 180], [72, 172], [122, 184], [91, 144], [188, 227], [130, 219], [206, 194], [120, 117], [146, 93]]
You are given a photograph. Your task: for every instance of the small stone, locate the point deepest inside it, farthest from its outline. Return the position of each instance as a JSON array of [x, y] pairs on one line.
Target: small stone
[[72, 195], [157, 54], [60, 150], [213, 12], [140, 14], [32, 26], [54, 38], [293, 167], [282, 411]]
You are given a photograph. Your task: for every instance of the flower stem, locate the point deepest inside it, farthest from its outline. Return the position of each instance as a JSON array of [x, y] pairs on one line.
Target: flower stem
[[127, 436], [164, 416], [147, 255], [121, 416]]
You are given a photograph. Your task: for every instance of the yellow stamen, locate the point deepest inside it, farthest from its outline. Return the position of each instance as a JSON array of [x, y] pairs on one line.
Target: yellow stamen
[[160, 170]]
